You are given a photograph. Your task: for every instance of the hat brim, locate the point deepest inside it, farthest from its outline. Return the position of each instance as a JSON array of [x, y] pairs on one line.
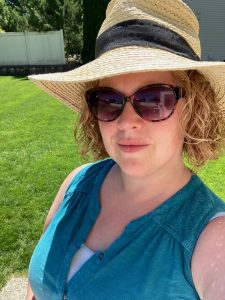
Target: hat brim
[[69, 86]]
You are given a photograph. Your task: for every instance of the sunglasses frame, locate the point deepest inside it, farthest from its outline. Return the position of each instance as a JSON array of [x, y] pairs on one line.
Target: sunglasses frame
[[178, 93]]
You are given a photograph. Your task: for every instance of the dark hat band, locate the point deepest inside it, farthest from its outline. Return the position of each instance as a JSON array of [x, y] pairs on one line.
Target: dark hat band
[[143, 33]]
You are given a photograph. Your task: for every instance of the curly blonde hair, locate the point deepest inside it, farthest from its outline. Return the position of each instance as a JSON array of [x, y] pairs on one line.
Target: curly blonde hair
[[202, 121]]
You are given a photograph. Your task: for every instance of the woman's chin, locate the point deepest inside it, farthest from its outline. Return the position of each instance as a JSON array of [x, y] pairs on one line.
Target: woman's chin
[[134, 167]]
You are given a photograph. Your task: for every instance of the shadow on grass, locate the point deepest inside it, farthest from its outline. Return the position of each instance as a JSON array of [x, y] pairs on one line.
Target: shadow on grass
[[20, 77]]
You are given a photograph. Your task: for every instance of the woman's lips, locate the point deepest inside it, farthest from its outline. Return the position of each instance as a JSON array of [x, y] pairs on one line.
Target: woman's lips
[[131, 148]]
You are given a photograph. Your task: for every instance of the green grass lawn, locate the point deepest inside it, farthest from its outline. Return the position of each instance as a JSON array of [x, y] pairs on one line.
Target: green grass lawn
[[37, 152]]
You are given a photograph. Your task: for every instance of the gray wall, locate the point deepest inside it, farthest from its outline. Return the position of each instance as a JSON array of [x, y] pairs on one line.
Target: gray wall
[[32, 48], [211, 15]]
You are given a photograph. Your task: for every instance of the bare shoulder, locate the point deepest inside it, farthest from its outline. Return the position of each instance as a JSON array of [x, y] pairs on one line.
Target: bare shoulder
[[60, 195], [208, 261]]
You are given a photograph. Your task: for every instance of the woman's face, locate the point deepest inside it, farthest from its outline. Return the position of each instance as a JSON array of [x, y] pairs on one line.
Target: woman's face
[[138, 146]]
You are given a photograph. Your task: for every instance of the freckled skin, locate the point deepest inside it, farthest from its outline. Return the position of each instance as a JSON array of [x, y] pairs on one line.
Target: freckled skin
[[208, 262]]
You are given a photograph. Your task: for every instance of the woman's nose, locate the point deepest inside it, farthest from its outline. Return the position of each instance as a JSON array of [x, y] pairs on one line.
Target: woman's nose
[[129, 118]]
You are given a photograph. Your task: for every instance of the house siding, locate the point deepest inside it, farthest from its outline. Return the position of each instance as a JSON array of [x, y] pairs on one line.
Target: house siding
[[211, 15]]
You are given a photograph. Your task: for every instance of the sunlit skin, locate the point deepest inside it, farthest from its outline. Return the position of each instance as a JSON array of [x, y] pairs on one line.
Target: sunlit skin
[[208, 261], [146, 152], [135, 183], [149, 167]]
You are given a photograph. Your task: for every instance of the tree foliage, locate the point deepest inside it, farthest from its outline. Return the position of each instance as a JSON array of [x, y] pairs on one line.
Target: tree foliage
[[77, 18], [10, 17], [73, 18], [45, 15], [3, 14]]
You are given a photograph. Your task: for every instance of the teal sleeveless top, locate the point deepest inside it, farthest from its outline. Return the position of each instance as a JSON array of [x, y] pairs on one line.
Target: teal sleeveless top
[[151, 259]]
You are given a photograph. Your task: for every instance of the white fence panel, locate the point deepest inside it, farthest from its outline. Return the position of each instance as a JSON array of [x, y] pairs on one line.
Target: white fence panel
[[32, 48]]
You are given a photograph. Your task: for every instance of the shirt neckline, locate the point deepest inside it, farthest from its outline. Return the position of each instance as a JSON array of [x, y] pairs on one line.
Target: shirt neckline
[[185, 191], [181, 194]]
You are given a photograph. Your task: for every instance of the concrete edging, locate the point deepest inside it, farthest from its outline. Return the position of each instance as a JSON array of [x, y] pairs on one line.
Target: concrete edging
[[15, 289]]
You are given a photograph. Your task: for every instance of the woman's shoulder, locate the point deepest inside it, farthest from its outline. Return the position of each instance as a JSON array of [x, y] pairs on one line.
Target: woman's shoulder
[[66, 183], [61, 194], [86, 175], [193, 209], [81, 178], [208, 261], [201, 202]]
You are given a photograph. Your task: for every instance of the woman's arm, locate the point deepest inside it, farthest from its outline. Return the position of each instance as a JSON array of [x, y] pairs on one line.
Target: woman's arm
[[30, 295], [54, 207], [208, 261]]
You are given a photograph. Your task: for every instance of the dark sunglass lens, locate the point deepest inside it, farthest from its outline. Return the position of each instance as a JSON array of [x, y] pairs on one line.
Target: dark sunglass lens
[[106, 105], [155, 103]]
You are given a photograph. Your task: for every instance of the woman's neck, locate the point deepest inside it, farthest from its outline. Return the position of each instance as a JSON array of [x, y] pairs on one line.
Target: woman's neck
[[157, 186]]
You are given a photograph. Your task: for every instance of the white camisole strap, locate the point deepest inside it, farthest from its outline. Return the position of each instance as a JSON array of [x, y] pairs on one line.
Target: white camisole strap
[[220, 214], [84, 253]]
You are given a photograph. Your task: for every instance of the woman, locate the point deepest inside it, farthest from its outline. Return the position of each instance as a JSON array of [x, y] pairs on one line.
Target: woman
[[140, 224]]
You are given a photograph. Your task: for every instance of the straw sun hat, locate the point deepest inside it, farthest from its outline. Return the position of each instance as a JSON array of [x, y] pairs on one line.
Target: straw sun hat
[[138, 36]]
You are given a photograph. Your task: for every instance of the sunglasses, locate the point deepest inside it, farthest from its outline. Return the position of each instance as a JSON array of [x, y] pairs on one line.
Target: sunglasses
[[153, 103]]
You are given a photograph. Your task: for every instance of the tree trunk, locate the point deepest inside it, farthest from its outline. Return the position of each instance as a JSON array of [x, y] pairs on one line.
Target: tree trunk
[[94, 14]]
